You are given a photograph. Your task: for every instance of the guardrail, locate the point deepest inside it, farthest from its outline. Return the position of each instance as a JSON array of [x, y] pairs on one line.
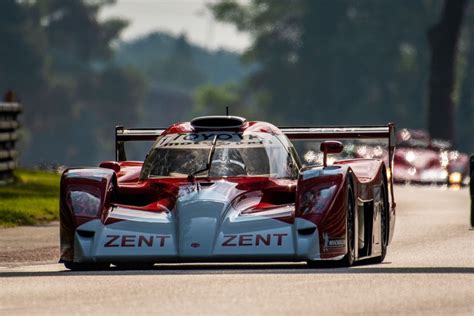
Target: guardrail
[[9, 110]]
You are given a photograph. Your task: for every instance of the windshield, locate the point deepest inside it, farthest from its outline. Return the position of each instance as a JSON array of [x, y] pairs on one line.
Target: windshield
[[236, 154]]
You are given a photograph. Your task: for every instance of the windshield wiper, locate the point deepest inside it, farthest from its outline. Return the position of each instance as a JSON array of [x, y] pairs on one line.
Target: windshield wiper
[[192, 176]]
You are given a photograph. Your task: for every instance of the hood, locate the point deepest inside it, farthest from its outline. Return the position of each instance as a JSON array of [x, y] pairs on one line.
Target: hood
[[205, 212]]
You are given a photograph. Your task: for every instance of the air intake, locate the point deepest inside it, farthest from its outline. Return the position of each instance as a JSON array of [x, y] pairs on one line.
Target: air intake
[[218, 122]]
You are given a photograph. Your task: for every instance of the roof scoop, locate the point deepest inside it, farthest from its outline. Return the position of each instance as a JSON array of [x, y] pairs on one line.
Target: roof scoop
[[218, 122]]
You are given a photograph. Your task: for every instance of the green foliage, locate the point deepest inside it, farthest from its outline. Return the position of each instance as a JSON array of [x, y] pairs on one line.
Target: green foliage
[[177, 69], [337, 62], [74, 31], [153, 53], [181, 76], [22, 62], [213, 100], [57, 55], [32, 199], [465, 71]]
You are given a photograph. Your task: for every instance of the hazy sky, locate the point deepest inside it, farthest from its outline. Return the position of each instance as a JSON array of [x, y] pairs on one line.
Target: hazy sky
[[177, 16]]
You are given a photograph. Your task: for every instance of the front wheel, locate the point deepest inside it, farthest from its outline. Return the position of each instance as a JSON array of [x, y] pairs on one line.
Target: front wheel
[[76, 266], [384, 225], [134, 266]]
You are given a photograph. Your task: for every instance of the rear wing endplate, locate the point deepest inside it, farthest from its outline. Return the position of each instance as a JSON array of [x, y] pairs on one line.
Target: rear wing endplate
[[123, 135]]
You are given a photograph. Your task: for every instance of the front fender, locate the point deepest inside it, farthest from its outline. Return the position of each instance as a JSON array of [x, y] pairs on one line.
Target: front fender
[[321, 199], [84, 196]]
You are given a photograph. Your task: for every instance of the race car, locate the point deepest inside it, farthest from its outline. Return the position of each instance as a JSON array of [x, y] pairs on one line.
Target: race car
[[221, 188], [422, 160]]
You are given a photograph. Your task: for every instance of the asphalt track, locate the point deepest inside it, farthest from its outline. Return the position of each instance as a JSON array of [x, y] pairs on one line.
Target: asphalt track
[[429, 269]]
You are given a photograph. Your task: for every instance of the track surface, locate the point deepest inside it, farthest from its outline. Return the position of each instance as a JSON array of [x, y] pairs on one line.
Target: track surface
[[429, 269]]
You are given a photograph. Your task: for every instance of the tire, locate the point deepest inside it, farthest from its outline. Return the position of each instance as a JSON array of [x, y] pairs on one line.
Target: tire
[[75, 266], [134, 266], [320, 264], [349, 258], [384, 220]]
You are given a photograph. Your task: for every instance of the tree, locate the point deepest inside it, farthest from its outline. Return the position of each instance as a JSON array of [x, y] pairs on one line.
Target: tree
[[213, 100], [178, 69], [23, 66], [443, 38], [465, 113], [57, 55], [336, 62]]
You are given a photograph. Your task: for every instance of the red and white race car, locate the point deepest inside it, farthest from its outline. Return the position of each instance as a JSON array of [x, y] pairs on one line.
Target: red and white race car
[[420, 159], [221, 188]]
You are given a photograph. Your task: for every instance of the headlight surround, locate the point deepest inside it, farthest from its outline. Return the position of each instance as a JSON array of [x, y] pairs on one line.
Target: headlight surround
[[84, 203], [316, 199]]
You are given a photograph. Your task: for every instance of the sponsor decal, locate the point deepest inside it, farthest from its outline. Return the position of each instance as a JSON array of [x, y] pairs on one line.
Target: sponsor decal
[[244, 240], [135, 241], [205, 139], [186, 189], [332, 242]]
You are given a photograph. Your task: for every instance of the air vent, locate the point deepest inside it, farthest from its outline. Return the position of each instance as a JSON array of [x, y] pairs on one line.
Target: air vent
[[218, 122]]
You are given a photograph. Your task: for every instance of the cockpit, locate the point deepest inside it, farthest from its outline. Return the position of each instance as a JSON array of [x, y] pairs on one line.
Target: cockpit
[[226, 154]]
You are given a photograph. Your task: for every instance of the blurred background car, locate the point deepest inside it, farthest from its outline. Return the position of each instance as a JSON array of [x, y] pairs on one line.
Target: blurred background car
[[423, 160]]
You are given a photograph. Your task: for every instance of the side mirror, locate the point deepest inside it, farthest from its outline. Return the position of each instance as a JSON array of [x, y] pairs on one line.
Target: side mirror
[[115, 166], [330, 147]]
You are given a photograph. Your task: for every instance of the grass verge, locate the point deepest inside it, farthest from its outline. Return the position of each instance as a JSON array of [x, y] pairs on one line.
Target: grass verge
[[32, 199]]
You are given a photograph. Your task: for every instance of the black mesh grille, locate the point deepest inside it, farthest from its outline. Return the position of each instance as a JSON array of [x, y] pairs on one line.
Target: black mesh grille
[[216, 122]]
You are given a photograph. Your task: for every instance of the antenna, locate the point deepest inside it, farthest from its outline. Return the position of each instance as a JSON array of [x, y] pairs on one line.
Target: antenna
[[227, 110]]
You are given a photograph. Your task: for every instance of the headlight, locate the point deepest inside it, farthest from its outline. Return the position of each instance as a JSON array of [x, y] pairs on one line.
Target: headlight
[[455, 178], [410, 156], [84, 203], [315, 200]]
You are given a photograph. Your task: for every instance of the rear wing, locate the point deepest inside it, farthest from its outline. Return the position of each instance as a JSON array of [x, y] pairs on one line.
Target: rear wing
[[349, 132], [345, 132], [338, 132], [123, 135]]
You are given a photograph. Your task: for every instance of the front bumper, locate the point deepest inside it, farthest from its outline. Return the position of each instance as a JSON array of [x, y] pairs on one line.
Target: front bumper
[[141, 242]]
